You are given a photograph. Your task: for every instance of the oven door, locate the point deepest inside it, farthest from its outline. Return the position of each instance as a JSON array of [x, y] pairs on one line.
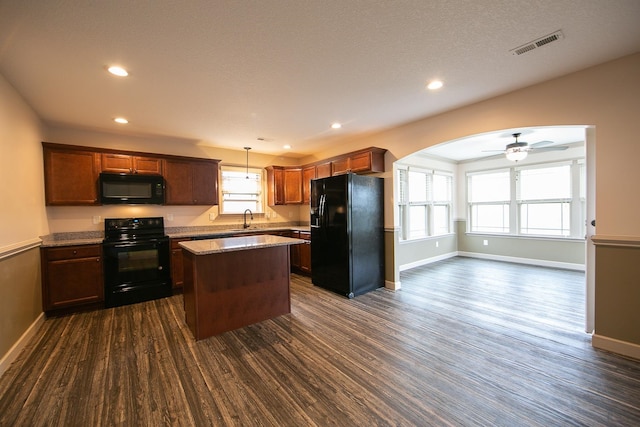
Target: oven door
[[136, 271]]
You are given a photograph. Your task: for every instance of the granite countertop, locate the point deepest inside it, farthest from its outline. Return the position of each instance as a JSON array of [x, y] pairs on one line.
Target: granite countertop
[[230, 244], [184, 232], [96, 237], [72, 238]]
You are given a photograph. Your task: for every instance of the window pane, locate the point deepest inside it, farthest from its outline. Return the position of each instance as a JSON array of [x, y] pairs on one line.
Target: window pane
[[417, 187], [240, 206], [545, 219], [417, 221], [241, 190], [583, 182], [489, 187], [441, 188], [441, 219], [545, 183], [490, 218]]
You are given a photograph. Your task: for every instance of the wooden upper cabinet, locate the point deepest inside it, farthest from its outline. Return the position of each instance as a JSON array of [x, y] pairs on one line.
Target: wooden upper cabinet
[[204, 176], [308, 174], [284, 185], [123, 163], [191, 182], [323, 170], [367, 161], [275, 185], [292, 186], [70, 176]]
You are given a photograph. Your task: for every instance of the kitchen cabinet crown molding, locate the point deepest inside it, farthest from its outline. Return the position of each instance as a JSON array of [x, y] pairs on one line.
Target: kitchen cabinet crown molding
[[55, 145]]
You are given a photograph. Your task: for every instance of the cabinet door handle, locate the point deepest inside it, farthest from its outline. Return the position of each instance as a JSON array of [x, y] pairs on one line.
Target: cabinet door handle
[[97, 259], [75, 252]]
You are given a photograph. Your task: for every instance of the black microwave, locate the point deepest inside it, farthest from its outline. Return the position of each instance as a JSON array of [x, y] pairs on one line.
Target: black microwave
[[131, 189]]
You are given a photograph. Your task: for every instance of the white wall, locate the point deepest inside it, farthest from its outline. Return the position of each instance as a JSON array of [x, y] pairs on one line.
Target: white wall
[[22, 216]]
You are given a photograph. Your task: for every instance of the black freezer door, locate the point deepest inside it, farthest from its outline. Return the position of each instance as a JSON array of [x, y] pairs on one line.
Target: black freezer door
[[347, 236]]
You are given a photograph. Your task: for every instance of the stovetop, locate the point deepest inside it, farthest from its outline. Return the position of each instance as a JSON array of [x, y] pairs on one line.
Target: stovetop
[[125, 229]]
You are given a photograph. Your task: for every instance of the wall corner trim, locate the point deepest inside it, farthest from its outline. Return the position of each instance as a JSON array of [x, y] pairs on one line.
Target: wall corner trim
[[613, 345], [15, 350], [392, 286]]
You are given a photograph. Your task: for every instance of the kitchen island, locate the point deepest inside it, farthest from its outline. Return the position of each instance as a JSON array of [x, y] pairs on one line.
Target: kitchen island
[[234, 282]]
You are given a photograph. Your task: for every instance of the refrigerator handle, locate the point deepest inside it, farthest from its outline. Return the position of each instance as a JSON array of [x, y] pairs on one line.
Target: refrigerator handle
[[321, 209]]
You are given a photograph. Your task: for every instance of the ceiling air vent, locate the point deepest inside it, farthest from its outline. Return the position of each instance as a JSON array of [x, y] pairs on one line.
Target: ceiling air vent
[[528, 47]]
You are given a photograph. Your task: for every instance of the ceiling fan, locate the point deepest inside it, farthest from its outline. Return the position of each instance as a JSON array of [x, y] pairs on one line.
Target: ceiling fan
[[518, 150]]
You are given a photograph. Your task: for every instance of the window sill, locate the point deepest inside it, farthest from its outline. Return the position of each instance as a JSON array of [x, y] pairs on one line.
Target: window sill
[[426, 238], [527, 236]]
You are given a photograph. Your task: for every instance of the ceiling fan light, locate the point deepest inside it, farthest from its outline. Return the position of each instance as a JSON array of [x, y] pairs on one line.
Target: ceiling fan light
[[516, 154]]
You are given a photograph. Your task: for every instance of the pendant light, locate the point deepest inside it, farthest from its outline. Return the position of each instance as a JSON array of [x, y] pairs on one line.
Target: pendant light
[[247, 149]]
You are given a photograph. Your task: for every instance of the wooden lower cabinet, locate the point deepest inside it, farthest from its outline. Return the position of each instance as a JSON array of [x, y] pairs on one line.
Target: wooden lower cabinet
[[305, 252], [301, 254], [72, 278], [177, 263]]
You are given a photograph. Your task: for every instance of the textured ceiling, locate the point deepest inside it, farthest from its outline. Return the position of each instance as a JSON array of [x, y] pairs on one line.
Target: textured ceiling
[[228, 72]]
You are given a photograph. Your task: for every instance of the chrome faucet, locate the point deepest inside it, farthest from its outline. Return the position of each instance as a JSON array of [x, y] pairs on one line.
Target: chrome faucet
[[244, 217]]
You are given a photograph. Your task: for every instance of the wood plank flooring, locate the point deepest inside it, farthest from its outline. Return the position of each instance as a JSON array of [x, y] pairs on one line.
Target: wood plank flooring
[[465, 342]]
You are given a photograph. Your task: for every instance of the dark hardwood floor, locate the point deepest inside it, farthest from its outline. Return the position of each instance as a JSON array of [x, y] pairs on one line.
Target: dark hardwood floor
[[465, 342]]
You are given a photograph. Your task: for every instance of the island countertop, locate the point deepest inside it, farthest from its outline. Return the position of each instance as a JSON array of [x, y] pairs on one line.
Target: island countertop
[[230, 244]]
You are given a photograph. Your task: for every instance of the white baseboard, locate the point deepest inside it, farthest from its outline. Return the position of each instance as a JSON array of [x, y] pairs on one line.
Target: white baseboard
[[529, 261], [426, 261], [616, 346], [392, 286], [15, 350]]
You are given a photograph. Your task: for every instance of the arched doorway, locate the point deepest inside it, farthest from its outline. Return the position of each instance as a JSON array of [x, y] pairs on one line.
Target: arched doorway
[[485, 152]]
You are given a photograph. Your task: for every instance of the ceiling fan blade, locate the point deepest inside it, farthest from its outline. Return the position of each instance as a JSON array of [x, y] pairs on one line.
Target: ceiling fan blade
[[557, 148], [493, 151], [541, 144]]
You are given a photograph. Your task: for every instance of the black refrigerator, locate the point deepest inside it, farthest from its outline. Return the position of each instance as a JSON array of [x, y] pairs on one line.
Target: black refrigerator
[[347, 234]]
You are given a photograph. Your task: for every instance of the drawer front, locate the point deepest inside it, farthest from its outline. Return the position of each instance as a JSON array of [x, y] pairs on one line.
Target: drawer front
[[71, 252]]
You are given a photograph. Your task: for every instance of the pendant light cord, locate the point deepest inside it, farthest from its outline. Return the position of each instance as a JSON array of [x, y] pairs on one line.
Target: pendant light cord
[[247, 148]]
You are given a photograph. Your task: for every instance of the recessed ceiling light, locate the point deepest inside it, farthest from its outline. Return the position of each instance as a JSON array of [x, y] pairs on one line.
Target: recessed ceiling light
[[118, 71], [121, 120], [434, 84], [336, 125], [286, 147]]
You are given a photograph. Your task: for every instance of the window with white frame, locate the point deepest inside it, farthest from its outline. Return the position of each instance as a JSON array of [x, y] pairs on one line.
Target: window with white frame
[[425, 202], [241, 189], [541, 200], [544, 200], [489, 195]]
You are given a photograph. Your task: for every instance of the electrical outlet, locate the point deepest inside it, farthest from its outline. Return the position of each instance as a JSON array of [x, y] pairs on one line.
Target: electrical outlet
[[212, 216], [169, 217], [96, 219], [437, 244], [267, 215], [485, 242]]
